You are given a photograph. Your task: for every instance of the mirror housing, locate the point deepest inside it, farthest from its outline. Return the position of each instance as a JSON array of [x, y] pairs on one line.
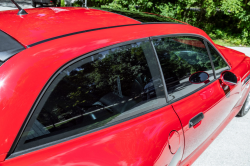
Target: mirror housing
[[229, 78], [199, 77]]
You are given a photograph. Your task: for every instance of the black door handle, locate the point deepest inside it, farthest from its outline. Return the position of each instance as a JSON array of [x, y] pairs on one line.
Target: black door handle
[[196, 119]]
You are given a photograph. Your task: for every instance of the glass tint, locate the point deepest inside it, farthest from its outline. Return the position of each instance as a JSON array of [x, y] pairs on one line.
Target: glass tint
[[96, 92], [219, 63], [180, 57]]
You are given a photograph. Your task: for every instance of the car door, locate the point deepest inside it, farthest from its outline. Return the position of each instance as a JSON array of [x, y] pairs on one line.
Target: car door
[[105, 108], [201, 107]]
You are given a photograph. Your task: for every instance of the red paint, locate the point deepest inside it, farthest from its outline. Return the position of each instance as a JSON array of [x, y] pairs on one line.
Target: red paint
[[140, 141], [174, 141], [43, 23], [197, 125], [233, 57], [3, 156], [37, 64]]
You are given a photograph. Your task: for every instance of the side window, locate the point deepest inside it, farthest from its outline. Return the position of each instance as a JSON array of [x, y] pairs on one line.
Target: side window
[[98, 91], [181, 57], [219, 63]]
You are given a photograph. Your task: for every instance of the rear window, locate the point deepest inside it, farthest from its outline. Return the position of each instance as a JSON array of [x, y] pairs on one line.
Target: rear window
[[8, 46], [142, 16]]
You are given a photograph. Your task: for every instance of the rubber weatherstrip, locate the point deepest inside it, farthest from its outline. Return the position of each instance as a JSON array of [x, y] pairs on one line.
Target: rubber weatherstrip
[[79, 32]]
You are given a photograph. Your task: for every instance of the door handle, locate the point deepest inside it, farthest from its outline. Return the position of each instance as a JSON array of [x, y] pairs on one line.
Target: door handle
[[195, 120]]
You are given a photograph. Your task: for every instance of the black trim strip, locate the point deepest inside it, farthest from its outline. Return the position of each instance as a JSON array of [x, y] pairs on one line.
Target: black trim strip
[[210, 57], [75, 33], [90, 30], [160, 69]]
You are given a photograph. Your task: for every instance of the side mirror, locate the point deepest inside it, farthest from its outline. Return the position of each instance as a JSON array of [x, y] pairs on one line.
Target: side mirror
[[229, 78], [199, 77]]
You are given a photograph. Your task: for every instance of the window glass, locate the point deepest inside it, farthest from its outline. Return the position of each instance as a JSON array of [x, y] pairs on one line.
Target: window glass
[[96, 92], [181, 57], [219, 63]]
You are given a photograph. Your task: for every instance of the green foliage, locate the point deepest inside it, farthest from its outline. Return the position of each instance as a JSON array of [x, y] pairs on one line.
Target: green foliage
[[77, 3], [222, 19], [62, 3]]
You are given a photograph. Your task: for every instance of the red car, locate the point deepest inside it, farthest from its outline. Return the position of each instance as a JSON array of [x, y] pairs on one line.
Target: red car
[[82, 86]]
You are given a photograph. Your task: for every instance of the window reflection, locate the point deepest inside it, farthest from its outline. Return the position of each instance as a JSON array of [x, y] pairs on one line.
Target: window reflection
[[180, 57], [99, 90]]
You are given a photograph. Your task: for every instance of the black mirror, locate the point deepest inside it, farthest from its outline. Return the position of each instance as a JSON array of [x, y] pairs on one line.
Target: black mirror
[[229, 78], [199, 77]]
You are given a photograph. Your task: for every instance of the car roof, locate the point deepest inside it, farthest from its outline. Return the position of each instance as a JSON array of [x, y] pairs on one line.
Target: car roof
[[44, 23]]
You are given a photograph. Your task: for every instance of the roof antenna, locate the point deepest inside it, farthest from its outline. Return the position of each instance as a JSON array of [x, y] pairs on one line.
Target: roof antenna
[[21, 11]]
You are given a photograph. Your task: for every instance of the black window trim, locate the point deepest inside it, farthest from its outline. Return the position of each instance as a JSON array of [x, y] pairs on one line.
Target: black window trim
[[12, 154], [160, 69], [210, 57], [90, 30]]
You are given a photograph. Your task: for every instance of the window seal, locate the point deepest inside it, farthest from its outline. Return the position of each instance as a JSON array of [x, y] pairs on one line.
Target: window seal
[[210, 57], [160, 69]]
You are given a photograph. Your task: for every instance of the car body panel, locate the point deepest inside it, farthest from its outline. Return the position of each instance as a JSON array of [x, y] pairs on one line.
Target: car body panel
[[197, 152], [140, 141], [43, 23], [234, 101], [233, 57], [214, 103], [37, 64]]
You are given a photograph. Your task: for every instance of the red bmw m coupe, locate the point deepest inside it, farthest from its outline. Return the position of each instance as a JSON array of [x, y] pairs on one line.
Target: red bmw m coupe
[[82, 86]]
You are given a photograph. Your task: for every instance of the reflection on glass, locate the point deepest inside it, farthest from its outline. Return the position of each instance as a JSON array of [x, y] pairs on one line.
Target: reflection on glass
[[198, 77], [99, 90], [180, 57]]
